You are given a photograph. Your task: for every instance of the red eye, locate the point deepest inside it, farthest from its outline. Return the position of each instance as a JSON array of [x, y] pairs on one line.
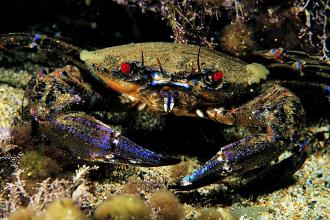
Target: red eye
[[217, 76], [125, 68]]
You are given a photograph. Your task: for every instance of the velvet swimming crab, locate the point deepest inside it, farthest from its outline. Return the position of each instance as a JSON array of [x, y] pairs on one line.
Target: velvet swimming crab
[[168, 78]]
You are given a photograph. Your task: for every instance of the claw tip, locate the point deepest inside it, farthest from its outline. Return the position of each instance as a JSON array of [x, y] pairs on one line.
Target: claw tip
[[185, 183]]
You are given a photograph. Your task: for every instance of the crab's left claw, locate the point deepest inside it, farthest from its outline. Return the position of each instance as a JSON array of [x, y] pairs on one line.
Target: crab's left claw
[[233, 161], [207, 174]]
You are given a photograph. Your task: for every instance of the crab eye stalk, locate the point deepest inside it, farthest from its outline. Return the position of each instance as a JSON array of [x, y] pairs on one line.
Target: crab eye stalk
[[213, 78], [133, 71]]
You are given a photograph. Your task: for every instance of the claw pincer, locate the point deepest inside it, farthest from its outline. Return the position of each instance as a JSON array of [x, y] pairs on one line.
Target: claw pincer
[[93, 140]]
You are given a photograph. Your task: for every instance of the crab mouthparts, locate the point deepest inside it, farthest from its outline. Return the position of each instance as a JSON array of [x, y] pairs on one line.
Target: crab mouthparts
[[168, 103], [168, 100]]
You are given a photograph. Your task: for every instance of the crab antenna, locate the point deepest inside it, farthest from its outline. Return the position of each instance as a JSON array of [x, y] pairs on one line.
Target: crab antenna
[[193, 69], [142, 58], [160, 66], [198, 66]]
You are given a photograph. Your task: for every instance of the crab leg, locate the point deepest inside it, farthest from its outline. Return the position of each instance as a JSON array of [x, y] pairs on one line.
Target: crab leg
[[52, 47], [41, 42], [296, 61], [277, 111], [52, 99]]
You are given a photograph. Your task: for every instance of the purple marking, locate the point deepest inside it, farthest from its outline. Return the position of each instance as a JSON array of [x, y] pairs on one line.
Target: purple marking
[[232, 153], [43, 72], [128, 149], [89, 123], [206, 171], [36, 40], [102, 142], [76, 98]]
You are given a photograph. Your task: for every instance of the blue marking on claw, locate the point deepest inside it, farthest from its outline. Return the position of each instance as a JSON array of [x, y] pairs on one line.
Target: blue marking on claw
[[101, 142], [106, 145], [202, 173], [126, 150], [133, 153], [103, 138]]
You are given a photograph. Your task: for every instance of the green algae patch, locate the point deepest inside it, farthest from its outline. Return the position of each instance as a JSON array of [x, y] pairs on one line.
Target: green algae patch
[[166, 206], [37, 165], [64, 209], [24, 214], [123, 207]]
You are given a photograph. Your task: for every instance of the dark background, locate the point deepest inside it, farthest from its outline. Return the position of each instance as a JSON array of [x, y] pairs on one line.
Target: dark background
[[72, 20]]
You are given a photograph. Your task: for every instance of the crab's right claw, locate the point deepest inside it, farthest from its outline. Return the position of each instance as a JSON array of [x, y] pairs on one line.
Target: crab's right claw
[[93, 140], [127, 151]]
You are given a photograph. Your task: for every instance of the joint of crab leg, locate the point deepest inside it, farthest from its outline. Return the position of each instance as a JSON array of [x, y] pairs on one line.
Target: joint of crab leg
[[43, 72], [115, 137]]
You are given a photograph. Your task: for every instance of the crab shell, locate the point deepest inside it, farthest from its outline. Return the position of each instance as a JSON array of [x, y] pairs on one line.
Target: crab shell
[[178, 60]]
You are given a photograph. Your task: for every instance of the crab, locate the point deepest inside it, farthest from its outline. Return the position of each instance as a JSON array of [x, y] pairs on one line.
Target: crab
[[167, 78]]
